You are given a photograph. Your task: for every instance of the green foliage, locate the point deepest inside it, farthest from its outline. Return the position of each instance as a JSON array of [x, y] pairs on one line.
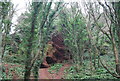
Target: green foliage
[[55, 68], [20, 71], [74, 30], [15, 58], [35, 27], [12, 68], [71, 70], [2, 73], [86, 72]]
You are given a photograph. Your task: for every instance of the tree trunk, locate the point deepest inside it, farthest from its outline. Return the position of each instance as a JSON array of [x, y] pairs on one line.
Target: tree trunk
[[116, 54], [116, 6], [28, 66]]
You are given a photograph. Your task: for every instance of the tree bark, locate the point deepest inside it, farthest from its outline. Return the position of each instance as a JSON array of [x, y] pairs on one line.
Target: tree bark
[[116, 54], [28, 66]]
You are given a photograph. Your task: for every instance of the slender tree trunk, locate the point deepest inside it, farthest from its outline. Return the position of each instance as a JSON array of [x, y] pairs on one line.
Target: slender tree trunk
[[116, 6], [1, 47], [116, 54], [0, 38]]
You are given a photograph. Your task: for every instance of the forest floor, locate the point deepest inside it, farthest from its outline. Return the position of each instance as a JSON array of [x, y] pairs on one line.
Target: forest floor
[[8, 70], [45, 74]]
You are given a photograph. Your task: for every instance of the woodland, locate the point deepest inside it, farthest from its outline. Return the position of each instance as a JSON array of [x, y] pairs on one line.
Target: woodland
[[60, 40]]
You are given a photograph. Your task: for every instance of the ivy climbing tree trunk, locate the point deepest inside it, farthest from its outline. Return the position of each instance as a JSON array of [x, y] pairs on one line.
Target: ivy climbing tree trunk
[[30, 40], [6, 12]]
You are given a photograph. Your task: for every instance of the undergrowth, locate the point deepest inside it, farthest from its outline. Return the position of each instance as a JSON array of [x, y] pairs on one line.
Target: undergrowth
[[85, 71], [55, 68]]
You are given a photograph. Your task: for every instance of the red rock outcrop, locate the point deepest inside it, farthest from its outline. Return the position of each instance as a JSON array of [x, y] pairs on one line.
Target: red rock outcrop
[[55, 52]]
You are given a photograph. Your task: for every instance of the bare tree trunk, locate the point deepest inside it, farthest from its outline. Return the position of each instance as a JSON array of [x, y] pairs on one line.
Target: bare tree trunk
[[116, 54], [116, 6]]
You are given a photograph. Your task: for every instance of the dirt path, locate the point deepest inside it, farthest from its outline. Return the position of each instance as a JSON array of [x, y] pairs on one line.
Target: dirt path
[[44, 74]]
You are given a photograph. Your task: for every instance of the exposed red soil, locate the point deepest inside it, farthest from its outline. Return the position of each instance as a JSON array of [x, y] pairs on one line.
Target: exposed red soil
[[44, 74]]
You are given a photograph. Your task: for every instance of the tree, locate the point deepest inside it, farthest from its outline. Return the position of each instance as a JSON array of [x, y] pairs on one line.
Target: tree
[[108, 29], [6, 15], [35, 34], [116, 6], [72, 24], [30, 40], [7, 12]]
